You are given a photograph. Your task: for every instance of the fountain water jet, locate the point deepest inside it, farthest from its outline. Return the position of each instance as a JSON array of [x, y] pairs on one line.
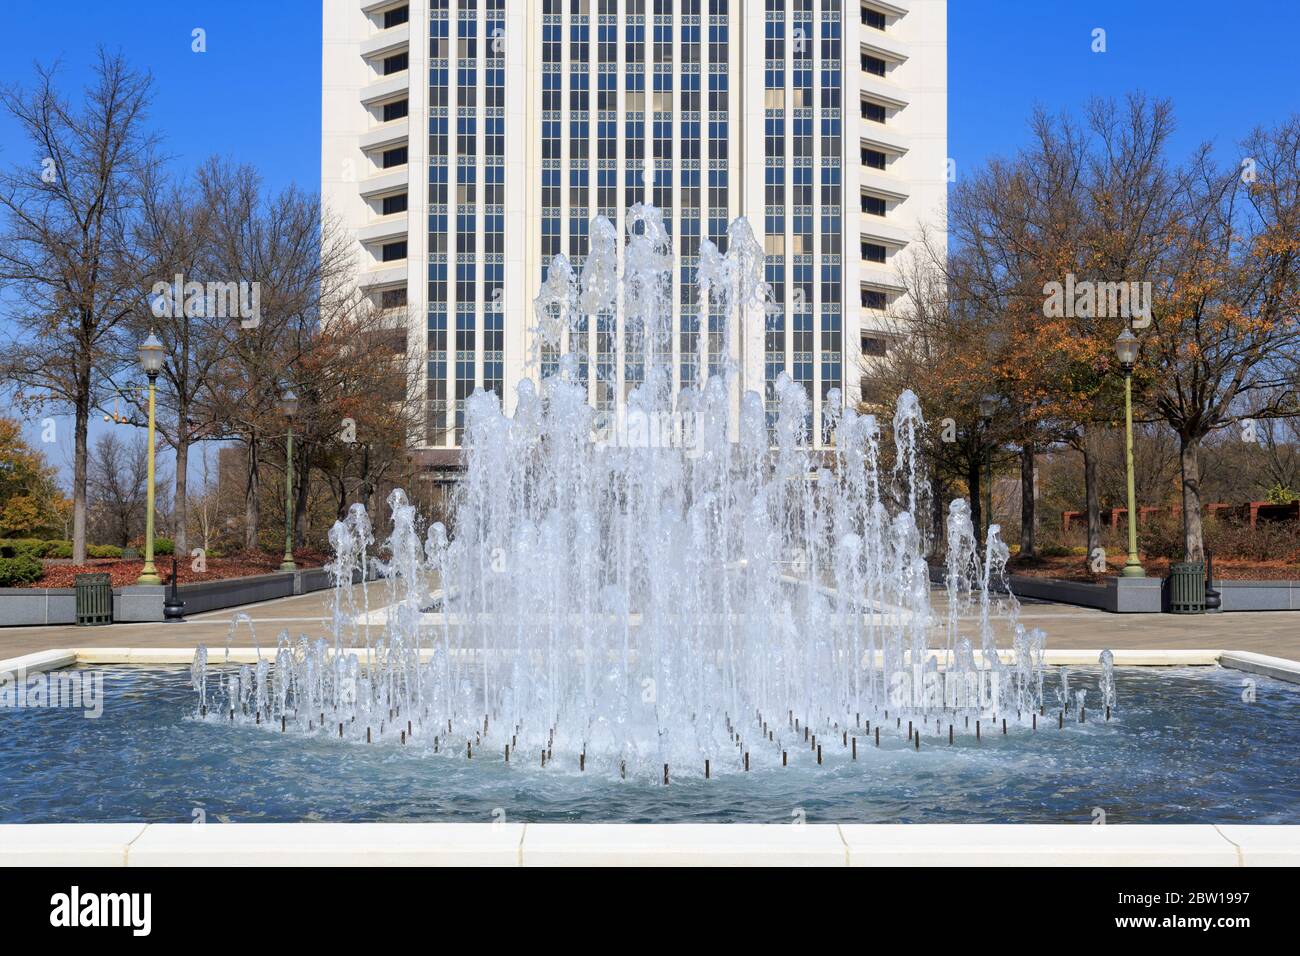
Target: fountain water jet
[[638, 603]]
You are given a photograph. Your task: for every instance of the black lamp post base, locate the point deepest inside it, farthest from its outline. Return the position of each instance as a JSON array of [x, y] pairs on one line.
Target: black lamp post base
[[1213, 600], [173, 606]]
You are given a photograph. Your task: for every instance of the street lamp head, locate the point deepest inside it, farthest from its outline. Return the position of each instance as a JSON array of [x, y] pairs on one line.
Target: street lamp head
[[1126, 348], [988, 405], [150, 352], [289, 404]]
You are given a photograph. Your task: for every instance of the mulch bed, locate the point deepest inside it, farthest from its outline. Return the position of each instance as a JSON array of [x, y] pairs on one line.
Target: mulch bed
[[1074, 568], [62, 575]]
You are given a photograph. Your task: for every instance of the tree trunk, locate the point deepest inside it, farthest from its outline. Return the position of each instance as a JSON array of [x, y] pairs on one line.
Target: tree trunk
[[79, 456], [181, 504], [1193, 533], [301, 473], [251, 513], [1028, 502], [1091, 488], [974, 467], [342, 499], [938, 530], [367, 487]]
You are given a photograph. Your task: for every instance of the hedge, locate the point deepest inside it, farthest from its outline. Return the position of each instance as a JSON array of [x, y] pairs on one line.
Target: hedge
[[36, 547], [22, 569]]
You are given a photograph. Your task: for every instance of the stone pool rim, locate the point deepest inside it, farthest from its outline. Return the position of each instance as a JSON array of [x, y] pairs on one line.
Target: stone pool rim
[[664, 844], [1278, 668], [631, 844], [172, 656]]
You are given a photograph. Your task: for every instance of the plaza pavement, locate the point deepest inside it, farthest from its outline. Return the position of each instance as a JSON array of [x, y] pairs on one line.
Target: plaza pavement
[[1275, 633]]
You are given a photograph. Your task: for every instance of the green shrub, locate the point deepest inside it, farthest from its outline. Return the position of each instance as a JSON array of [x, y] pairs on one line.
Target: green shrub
[[103, 551], [13, 547], [35, 547], [22, 569], [1279, 495], [58, 549], [1055, 551], [164, 546]]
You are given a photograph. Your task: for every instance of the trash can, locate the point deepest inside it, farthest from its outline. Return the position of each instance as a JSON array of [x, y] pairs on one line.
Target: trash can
[[94, 599], [1187, 588]]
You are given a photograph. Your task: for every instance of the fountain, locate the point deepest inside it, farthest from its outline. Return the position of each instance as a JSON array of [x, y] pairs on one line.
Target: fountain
[[694, 594], [701, 589]]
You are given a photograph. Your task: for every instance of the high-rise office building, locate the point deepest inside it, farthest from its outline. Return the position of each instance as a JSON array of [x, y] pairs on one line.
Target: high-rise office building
[[465, 143]]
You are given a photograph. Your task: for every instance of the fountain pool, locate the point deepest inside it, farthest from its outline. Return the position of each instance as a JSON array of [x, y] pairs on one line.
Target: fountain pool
[[1184, 748]]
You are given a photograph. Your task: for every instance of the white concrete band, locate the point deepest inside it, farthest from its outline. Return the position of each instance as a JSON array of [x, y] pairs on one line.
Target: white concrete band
[[1276, 667], [560, 844]]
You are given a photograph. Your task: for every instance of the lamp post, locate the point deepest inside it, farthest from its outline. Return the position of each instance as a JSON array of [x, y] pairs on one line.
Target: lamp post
[[988, 405], [1126, 349], [289, 406], [151, 360]]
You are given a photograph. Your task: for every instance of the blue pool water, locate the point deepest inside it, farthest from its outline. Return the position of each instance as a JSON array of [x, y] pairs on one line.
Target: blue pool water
[[1184, 747]]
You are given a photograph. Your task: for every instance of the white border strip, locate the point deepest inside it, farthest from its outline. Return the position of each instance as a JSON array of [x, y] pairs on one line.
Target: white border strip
[[1279, 668], [688, 844], [65, 657]]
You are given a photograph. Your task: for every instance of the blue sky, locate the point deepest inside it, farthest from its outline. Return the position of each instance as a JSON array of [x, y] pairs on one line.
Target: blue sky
[[1226, 67], [254, 95]]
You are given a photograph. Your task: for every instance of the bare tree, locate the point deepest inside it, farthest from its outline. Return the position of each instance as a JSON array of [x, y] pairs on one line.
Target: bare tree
[[939, 347], [66, 249], [117, 485], [361, 402], [206, 505], [173, 236], [1088, 200], [275, 242], [1227, 321], [1280, 441]]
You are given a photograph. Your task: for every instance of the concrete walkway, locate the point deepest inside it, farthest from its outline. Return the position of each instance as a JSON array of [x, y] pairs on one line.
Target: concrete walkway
[[304, 614], [1276, 633]]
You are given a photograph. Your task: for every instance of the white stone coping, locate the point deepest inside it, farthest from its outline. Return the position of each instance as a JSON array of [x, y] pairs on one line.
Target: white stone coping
[[611, 844], [1278, 667], [40, 661]]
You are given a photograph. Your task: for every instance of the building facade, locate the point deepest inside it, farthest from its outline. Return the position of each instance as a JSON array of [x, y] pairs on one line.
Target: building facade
[[465, 143]]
